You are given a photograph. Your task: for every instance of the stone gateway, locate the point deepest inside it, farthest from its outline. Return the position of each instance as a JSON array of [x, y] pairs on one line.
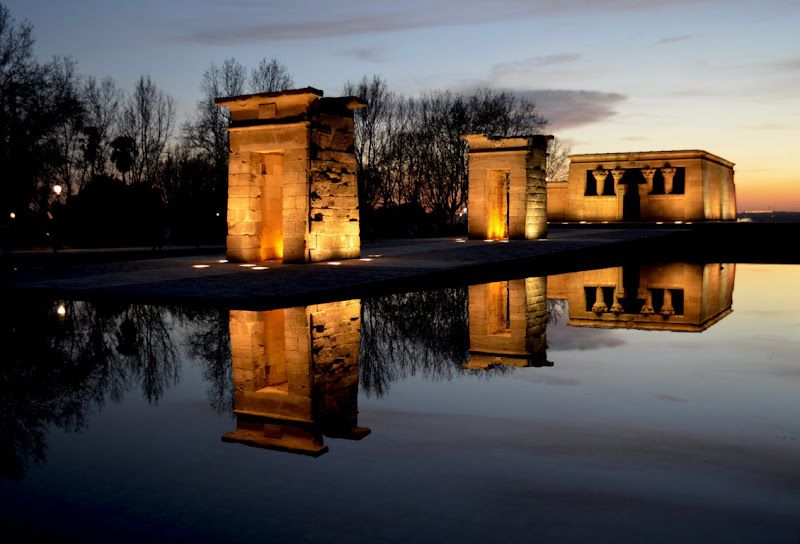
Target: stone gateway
[[292, 191]]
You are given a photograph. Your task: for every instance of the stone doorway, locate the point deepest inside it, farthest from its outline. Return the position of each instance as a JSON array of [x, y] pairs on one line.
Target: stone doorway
[[631, 205], [497, 201], [507, 190], [272, 205]]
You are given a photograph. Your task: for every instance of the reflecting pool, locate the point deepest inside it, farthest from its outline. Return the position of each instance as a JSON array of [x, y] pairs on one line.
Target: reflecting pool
[[639, 403]]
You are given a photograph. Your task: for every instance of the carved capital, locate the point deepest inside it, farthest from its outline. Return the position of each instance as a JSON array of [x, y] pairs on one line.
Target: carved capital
[[668, 174], [600, 178], [617, 173], [600, 304], [647, 307], [648, 174]]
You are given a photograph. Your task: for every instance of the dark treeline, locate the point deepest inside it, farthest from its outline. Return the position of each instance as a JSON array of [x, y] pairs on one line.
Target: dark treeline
[[127, 172], [131, 174], [412, 164], [64, 362]]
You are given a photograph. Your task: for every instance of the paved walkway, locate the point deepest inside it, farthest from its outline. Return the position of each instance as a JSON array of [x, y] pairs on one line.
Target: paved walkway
[[385, 266]]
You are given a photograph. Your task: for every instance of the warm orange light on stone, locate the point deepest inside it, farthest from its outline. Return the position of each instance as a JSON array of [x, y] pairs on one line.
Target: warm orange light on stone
[[295, 372], [676, 296], [292, 191], [507, 188], [507, 323], [655, 186]]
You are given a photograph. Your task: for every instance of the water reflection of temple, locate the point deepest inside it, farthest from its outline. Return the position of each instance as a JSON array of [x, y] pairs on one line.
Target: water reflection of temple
[[507, 323], [674, 296], [295, 371]]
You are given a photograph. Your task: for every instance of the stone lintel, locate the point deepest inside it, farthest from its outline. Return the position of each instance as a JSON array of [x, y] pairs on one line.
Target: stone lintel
[[489, 142], [644, 156]]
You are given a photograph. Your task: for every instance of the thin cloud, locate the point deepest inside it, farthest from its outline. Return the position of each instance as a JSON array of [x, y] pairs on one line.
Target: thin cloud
[[535, 62], [324, 20], [673, 39], [567, 108], [367, 54]]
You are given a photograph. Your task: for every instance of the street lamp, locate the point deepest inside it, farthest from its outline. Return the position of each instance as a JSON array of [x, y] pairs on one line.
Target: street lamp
[[57, 191]]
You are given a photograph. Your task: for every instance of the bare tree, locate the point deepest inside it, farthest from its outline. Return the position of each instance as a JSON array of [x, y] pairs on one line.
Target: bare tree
[[558, 160], [207, 131], [63, 146], [373, 137], [101, 104], [148, 118], [270, 76]]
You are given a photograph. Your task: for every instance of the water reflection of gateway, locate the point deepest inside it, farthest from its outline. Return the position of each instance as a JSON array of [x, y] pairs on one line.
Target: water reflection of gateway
[[295, 371], [507, 323], [674, 297]]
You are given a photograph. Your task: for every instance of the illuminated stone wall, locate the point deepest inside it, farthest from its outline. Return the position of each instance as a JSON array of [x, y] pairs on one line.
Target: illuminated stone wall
[[676, 296], [295, 372], [507, 188], [650, 186], [508, 323], [292, 191]]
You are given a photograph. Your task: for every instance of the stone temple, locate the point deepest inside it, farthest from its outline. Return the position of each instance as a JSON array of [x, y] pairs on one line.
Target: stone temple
[[292, 191], [507, 187], [649, 186]]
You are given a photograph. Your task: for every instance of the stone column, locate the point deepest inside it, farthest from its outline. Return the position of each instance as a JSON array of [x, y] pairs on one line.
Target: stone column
[[649, 174], [667, 308], [599, 305], [616, 308], [647, 308], [617, 173], [536, 320], [536, 188], [600, 178], [669, 174]]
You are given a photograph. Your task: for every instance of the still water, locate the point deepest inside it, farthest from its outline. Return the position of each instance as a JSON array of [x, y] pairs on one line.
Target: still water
[[646, 403]]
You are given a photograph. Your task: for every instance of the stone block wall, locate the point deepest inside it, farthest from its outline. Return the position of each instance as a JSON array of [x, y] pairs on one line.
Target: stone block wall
[[507, 188], [686, 297], [333, 206], [292, 191], [507, 323], [295, 374], [708, 192]]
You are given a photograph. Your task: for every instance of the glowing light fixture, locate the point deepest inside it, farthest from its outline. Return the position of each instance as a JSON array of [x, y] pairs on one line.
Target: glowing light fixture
[[61, 310], [57, 189], [678, 222], [659, 222], [200, 265], [12, 215], [488, 240], [335, 263], [460, 240], [247, 265], [260, 268], [222, 261], [365, 260], [582, 222]]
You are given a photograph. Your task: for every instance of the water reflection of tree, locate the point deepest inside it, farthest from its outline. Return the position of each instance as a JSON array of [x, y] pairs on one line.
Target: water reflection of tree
[[208, 341], [58, 369], [424, 332]]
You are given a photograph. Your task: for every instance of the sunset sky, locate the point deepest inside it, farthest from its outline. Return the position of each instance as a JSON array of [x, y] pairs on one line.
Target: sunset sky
[[625, 75]]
